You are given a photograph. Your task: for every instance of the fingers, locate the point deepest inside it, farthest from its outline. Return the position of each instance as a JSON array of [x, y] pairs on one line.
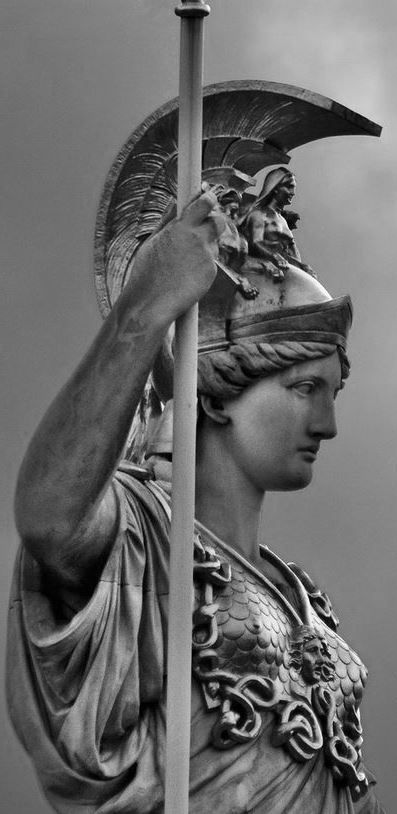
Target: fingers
[[199, 209], [204, 214], [216, 222]]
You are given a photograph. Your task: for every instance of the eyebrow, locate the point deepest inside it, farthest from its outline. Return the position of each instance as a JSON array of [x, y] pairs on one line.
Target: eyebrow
[[293, 378]]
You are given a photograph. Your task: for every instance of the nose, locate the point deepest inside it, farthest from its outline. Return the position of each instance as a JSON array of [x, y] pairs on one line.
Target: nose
[[323, 425]]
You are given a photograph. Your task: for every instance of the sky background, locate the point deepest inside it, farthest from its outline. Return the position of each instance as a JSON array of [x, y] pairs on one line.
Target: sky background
[[76, 77]]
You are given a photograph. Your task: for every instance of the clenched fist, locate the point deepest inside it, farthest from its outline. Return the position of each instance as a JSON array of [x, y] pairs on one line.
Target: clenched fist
[[176, 266]]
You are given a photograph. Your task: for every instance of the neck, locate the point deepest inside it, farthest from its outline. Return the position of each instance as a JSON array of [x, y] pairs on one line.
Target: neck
[[226, 503], [277, 207]]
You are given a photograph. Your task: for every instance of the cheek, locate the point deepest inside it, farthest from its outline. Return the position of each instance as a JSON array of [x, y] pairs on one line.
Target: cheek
[[280, 429], [265, 435], [265, 447], [287, 469]]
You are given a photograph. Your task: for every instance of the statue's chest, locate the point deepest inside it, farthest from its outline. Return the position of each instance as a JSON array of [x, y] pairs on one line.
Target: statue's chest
[[246, 624], [252, 653]]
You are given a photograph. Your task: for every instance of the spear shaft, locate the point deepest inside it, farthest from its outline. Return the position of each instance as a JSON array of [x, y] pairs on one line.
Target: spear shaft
[[184, 446]]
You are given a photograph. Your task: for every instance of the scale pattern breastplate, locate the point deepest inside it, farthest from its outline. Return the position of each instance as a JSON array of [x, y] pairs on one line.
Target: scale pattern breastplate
[[253, 651]]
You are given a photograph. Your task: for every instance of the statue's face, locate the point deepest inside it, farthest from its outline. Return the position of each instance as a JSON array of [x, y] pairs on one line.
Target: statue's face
[[285, 191], [232, 210], [314, 657], [276, 425]]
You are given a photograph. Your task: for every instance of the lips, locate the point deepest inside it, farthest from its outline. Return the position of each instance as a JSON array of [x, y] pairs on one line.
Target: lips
[[310, 451]]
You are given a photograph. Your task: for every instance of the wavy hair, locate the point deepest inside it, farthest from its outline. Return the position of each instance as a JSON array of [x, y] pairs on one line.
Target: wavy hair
[[225, 374]]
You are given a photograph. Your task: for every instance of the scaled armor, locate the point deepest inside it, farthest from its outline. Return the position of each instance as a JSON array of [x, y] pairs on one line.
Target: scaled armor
[[252, 653]]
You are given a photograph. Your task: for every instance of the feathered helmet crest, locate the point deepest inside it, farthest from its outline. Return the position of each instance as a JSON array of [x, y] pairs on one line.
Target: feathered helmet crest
[[247, 127]]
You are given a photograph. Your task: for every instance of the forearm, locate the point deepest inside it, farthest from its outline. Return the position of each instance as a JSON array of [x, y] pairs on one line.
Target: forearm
[[258, 248], [78, 444]]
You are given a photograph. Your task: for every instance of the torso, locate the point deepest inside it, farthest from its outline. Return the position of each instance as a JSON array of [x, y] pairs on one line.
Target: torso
[[245, 659], [276, 232]]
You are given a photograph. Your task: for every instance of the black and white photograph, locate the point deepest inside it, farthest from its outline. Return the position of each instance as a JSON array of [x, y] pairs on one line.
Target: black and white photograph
[[198, 334]]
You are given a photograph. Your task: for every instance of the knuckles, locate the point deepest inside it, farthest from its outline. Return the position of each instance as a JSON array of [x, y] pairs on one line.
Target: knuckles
[[180, 257]]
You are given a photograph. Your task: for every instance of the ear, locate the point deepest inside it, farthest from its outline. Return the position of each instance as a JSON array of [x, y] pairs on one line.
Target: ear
[[212, 407]]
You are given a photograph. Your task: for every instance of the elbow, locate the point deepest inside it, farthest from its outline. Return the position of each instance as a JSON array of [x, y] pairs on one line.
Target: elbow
[[38, 518]]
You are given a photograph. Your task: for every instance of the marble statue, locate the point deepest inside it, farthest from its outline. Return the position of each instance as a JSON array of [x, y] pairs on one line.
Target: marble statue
[[233, 247], [276, 691], [270, 238]]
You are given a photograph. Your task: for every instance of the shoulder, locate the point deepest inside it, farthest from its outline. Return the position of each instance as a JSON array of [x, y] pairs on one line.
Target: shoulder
[[128, 524], [256, 216], [136, 554], [139, 495]]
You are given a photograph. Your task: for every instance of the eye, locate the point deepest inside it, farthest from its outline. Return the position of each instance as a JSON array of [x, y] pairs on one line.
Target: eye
[[304, 388]]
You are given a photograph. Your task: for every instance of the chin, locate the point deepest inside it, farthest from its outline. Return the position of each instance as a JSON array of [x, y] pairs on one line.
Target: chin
[[293, 482]]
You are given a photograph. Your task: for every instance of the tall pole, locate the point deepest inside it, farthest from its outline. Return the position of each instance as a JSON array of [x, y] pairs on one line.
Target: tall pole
[[184, 449]]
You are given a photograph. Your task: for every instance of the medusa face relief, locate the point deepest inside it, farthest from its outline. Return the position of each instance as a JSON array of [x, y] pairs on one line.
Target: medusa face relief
[[315, 657], [310, 656]]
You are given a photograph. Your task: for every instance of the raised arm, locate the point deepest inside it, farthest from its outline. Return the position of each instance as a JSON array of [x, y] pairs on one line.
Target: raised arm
[[65, 506]]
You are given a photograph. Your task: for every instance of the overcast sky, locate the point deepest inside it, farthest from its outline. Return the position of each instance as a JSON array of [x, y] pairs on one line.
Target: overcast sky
[[77, 76]]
